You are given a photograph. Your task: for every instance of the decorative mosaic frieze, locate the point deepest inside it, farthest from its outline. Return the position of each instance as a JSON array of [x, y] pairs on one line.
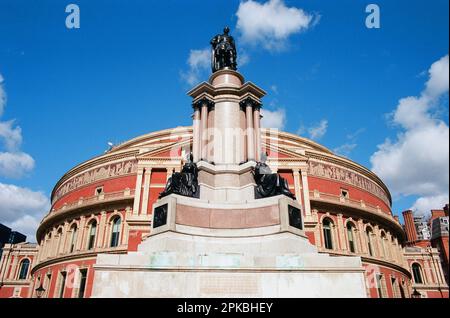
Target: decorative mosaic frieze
[[321, 170], [96, 174]]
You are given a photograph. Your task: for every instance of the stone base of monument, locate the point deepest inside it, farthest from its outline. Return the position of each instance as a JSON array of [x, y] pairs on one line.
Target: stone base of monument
[[256, 249]]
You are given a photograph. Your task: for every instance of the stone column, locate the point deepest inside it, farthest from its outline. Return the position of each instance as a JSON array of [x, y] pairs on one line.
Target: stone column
[[4, 263], [210, 132], [362, 237], [243, 134], [138, 190], [12, 273], [204, 131], [80, 233], [65, 237], [256, 125], [249, 130], [126, 226], [147, 176], [52, 243], [196, 134], [341, 233], [377, 249], [305, 187], [440, 272], [297, 186], [101, 229]]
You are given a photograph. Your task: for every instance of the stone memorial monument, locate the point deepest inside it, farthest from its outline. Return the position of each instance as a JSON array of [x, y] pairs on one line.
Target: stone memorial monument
[[226, 225]]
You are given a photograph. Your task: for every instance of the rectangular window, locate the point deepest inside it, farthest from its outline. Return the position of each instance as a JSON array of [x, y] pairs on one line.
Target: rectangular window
[[83, 278], [63, 285]]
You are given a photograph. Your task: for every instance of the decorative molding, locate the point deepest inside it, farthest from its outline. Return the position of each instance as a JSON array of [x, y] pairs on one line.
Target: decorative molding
[[332, 172], [104, 172]]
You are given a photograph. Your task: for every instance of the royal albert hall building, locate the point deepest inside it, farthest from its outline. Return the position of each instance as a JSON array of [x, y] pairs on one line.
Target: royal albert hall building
[[104, 206]]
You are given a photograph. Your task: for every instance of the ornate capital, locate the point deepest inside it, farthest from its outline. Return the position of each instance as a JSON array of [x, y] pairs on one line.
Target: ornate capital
[[202, 102], [249, 101]]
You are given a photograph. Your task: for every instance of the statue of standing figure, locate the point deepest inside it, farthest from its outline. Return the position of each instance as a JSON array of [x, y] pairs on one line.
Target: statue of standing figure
[[223, 55]]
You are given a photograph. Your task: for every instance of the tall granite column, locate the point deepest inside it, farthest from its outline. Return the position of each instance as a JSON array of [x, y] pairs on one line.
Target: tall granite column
[[248, 104], [257, 120], [196, 133], [204, 133]]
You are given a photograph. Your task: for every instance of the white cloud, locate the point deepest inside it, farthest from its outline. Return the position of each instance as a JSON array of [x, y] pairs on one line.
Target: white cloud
[[15, 164], [199, 61], [21, 208], [345, 149], [417, 161], [424, 205], [270, 24], [242, 58], [199, 58], [318, 131], [11, 136], [273, 119]]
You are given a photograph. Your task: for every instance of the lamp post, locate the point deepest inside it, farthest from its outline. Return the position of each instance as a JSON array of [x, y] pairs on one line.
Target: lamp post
[[416, 294], [40, 291]]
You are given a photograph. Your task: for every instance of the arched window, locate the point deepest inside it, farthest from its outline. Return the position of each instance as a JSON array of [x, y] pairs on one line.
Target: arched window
[[24, 266], [327, 234], [369, 240], [115, 235], [92, 232], [417, 273], [351, 237], [73, 240]]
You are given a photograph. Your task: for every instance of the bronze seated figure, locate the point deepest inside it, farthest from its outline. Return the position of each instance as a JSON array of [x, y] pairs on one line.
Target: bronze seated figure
[[184, 183], [269, 184]]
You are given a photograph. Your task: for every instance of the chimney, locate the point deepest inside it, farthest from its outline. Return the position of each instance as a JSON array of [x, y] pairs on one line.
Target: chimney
[[396, 218], [410, 228], [436, 214]]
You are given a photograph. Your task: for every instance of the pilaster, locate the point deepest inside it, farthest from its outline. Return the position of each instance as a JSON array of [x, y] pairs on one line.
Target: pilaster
[[137, 192], [147, 177], [305, 188]]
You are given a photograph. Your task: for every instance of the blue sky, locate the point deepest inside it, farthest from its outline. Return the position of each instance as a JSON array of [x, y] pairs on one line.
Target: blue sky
[[126, 71]]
